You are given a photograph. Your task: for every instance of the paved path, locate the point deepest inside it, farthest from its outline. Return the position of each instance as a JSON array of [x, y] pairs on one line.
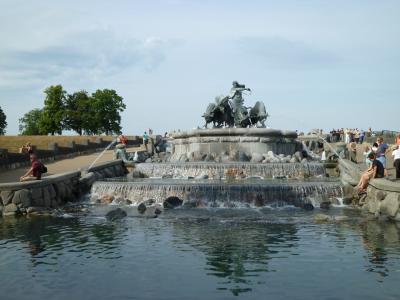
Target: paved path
[[61, 166]]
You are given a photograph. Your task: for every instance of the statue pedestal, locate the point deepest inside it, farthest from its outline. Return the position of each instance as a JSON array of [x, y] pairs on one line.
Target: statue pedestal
[[228, 141]]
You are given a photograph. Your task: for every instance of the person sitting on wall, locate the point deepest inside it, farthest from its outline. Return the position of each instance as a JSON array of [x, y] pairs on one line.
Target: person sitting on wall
[[120, 153], [36, 170], [376, 170], [122, 139]]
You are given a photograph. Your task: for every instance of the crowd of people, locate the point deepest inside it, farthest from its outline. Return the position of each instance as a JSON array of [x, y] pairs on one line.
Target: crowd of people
[[376, 161], [348, 135]]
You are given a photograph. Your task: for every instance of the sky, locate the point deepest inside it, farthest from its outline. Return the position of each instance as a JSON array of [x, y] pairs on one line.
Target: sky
[[315, 64]]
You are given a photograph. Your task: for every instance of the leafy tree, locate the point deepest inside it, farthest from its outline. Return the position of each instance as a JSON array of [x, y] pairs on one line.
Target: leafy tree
[[3, 123], [107, 106], [78, 112], [54, 110], [30, 122]]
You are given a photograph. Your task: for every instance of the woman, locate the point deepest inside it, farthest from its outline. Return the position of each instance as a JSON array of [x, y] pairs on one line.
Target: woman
[[376, 170]]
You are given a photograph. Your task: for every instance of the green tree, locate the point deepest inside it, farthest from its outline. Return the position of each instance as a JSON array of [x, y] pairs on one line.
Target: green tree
[[54, 110], [3, 123], [30, 122], [78, 112], [107, 107]]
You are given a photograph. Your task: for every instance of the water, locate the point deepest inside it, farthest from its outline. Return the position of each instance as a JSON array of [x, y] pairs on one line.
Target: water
[[218, 170], [217, 193], [200, 254], [101, 154]]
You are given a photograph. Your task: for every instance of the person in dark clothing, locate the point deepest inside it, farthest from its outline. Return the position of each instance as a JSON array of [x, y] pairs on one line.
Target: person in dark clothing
[[376, 170], [35, 172]]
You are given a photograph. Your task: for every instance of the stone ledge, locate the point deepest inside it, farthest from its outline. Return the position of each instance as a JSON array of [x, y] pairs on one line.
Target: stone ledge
[[385, 185], [103, 165], [13, 186]]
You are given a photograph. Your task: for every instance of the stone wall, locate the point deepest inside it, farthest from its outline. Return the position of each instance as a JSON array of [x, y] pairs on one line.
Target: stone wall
[[383, 195], [55, 190]]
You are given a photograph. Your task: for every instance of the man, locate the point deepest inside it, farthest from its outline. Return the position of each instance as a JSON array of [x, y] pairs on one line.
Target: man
[[383, 148], [376, 170], [145, 139], [35, 172]]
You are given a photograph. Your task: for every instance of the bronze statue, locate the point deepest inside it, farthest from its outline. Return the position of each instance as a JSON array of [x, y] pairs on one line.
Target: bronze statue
[[229, 111]]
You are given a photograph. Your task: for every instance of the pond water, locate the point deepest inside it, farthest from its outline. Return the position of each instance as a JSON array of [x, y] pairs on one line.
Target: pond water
[[201, 254]]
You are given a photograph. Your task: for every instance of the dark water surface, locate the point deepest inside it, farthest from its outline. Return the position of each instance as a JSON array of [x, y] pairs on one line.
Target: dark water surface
[[200, 254]]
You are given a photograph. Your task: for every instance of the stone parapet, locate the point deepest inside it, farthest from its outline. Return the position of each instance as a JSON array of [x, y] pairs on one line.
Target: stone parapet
[[54, 190]]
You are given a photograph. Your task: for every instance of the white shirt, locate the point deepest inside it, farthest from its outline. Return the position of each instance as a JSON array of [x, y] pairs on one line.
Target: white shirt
[[396, 154]]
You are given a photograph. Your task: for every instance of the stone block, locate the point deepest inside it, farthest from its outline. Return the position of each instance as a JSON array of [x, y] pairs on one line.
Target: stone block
[[210, 140], [22, 198], [249, 139], [6, 197], [256, 158], [230, 139], [36, 193], [373, 206], [46, 197], [390, 205]]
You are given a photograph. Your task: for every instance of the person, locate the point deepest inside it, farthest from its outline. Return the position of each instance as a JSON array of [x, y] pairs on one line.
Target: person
[[122, 139], [381, 152], [145, 139], [376, 170], [353, 152], [397, 140], [366, 153], [396, 162], [36, 170]]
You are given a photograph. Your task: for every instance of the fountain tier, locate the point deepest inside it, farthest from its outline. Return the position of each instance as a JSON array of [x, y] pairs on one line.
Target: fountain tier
[[219, 170], [221, 193], [233, 140]]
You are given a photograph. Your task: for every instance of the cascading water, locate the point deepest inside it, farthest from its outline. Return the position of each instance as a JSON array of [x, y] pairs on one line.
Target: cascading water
[[218, 170], [212, 193]]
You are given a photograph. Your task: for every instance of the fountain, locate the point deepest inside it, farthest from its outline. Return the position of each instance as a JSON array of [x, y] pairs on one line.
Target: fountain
[[243, 166]]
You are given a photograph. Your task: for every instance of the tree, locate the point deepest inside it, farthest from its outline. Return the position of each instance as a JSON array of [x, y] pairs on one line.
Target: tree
[[29, 124], [78, 112], [107, 106], [54, 110], [3, 123]]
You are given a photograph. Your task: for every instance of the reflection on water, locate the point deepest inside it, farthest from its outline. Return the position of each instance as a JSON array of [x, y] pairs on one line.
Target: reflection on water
[[201, 253]]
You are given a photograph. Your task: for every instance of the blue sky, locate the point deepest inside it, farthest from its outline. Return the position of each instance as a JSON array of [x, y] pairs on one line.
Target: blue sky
[[315, 64]]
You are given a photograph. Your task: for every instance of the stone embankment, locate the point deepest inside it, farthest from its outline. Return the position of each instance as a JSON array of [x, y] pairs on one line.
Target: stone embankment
[[55, 190], [383, 195]]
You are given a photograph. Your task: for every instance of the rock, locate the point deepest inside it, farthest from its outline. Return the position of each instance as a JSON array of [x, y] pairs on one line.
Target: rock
[[6, 197], [347, 179], [10, 209], [35, 209], [141, 208], [321, 218], [325, 205], [390, 205], [22, 198], [256, 158], [380, 195], [106, 199], [270, 154], [298, 156], [172, 202], [347, 200], [304, 161], [149, 160], [293, 160], [149, 202], [209, 157], [116, 214], [243, 156], [341, 218], [373, 206], [203, 176], [307, 206], [157, 211]]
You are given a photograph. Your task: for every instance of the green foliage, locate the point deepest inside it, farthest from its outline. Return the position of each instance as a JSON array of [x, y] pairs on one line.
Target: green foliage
[[78, 115], [54, 110], [107, 106], [3, 123], [95, 114], [29, 124]]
